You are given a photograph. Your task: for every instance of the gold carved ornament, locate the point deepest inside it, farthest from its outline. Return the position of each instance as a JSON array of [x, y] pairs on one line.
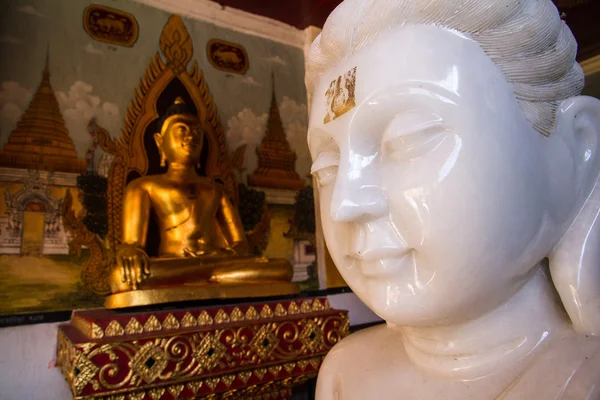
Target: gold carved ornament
[[129, 151], [148, 362], [282, 346]]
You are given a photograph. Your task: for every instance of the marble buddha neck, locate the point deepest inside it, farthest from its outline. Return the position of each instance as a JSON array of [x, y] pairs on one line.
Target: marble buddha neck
[[499, 340]]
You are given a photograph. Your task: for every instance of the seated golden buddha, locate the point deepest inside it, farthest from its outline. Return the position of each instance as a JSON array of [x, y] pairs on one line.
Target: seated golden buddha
[[203, 251]]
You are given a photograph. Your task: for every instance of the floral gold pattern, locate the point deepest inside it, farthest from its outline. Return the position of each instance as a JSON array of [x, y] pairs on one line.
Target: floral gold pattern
[[266, 312], [83, 371], [149, 362], [237, 315], [188, 321], [212, 383], [134, 327], [205, 319], [221, 317], [293, 309], [311, 336], [170, 322], [244, 376], [157, 393], [152, 325], [305, 307], [252, 313], [264, 342], [114, 329], [280, 311], [209, 352], [176, 390], [275, 370]]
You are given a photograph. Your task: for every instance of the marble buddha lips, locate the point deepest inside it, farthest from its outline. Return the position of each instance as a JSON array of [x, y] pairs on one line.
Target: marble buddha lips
[[382, 263]]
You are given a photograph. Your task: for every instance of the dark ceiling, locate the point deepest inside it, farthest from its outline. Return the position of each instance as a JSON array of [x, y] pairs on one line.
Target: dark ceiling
[[581, 15]]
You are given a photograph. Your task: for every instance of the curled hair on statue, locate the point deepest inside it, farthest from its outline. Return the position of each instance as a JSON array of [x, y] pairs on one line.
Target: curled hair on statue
[[526, 39], [177, 108]]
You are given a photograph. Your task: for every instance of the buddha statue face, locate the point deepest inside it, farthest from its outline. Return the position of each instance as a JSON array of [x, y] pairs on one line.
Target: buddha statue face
[[437, 194], [180, 139]]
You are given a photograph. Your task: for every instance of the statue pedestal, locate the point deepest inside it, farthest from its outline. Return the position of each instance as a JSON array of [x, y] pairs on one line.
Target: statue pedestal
[[245, 351]]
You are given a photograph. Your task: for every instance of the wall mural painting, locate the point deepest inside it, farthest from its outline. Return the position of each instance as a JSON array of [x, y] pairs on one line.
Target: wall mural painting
[[110, 26], [227, 56], [73, 136]]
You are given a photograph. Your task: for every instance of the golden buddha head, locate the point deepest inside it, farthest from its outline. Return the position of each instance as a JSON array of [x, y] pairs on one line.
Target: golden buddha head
[[181, 135]]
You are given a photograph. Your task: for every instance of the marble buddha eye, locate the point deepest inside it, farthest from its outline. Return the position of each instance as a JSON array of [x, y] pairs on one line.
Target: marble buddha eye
[[325, 167], [412, 135], [326, 158]]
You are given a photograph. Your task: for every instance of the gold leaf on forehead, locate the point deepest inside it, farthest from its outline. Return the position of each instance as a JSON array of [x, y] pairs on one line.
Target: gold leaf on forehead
[[114, 329], [170, 322], [221, 317], [237, 315], [266, 312], [340, 97], [134, 327], [188, 321], [136, 396], [293, 308], [152, 324], [251, 313], [280, 311], [204, 319]]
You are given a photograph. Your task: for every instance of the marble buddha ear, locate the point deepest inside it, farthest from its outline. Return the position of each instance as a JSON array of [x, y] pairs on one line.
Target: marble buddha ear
[[575, 261], [578, 125], [159, 140]]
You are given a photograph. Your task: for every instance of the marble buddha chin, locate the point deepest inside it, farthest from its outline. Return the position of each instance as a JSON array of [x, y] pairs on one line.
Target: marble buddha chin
[[457, 168], [203, 251]]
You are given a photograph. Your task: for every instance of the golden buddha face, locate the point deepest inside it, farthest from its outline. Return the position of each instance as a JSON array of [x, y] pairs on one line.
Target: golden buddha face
[[180, 140]]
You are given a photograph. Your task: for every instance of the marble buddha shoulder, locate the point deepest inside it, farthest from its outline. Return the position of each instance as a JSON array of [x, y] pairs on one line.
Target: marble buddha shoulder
[[569, 366]]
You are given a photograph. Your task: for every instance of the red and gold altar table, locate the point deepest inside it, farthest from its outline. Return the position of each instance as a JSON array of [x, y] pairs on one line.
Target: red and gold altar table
[[244, 351]]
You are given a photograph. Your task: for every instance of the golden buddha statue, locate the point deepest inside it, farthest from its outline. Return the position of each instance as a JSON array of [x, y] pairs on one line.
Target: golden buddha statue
[[203, 251]]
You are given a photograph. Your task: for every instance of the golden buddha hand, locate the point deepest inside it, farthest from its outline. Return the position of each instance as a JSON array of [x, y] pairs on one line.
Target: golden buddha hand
[[134, 264]]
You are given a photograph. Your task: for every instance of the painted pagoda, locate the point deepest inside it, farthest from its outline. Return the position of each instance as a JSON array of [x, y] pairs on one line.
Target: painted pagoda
[[41, 140], [276, 160]]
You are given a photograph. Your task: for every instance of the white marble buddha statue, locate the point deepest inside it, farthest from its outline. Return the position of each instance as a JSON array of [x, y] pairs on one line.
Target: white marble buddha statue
[[458, 177]]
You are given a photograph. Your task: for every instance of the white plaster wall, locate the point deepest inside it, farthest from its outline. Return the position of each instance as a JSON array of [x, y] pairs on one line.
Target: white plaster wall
[[357, 311], [27, 371]]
